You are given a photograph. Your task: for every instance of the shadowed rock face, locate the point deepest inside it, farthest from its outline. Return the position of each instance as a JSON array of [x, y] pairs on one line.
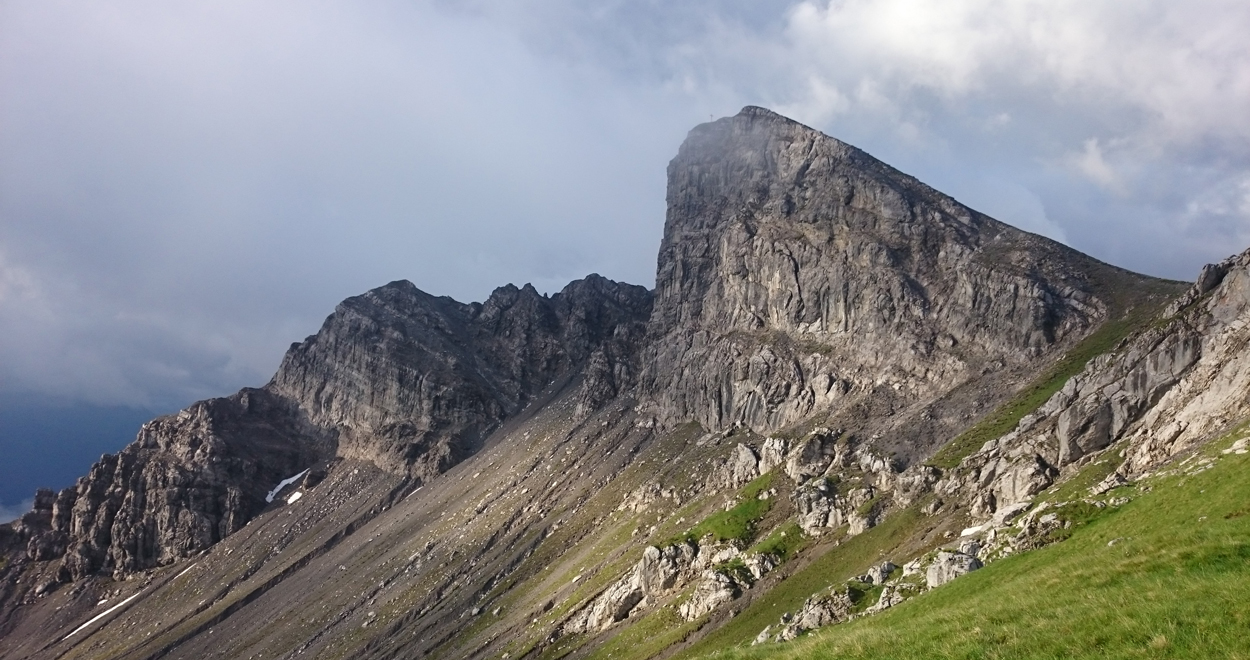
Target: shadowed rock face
[[795, 267], [794, 270], [188, 481], [396, 377], [1174, 385], [413, 383]]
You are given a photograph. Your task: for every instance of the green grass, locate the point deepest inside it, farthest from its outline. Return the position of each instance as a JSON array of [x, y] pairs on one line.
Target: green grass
[[737, 523], [1091, 475], [850, 558], [757, 486], [863, 595], [1175, 584], [867, 507], [783, 543], [649, 636], [1004, 418]]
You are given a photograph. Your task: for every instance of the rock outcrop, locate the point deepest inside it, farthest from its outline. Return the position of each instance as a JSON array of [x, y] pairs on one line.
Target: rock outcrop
[[714, 589], [795, 268], [947, 566], [660, 570], [1214, 390], [413, 383], [1182, 380], [185, 483], [395, 377], [818, 611]]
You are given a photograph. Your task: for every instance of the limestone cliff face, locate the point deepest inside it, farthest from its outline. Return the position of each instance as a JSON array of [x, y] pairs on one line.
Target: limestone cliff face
[[413, 383], [795, 268], [188, 481], [396, 377], [799, 280], [1205, 356], [1177, 384], [794, 271]]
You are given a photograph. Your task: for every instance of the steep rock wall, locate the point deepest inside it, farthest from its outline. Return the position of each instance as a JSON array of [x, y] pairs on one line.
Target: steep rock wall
[[188, 481], [795, 268], [396, 377], [1176, 384], [413, 383]]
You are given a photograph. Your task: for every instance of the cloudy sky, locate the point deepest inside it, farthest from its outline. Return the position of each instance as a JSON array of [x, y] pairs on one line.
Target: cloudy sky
[[186, 188]]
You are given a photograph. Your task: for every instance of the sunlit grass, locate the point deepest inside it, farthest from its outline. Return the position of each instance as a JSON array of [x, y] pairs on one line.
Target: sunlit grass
[[1174, 584], [738, 522], [1004, 418]]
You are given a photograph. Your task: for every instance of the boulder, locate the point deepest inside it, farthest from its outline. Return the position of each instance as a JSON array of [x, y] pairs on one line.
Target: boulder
[[713, 589], [772, 454], [878, 574], [817, 507], [810, 457], [949, 565], [742, 467], [891, 595]]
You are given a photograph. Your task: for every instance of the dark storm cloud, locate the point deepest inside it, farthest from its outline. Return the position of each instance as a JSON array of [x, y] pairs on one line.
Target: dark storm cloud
[[185, 188]]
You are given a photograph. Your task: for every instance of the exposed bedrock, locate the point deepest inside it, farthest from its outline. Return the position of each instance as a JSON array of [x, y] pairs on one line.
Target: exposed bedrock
[[850, 317], [413, 382], [407, 381], [1177, 383], [185, 483], [795, 268]]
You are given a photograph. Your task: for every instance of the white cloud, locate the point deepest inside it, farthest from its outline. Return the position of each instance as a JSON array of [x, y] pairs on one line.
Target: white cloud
[[822, 102], [1181, 68], [1091, 163], [17, 285], [1007, 199], [1220, 208], [1142, 100], [185, 189], [193, 187]]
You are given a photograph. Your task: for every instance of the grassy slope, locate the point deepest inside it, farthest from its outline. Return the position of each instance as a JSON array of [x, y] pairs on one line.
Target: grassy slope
[[1006, 416], [844, 561], [737, 523], [1175, 585], [659, 629]]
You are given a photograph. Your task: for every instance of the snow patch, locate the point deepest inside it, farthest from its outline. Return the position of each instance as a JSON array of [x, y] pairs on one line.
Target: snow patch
[[283, 484], [101, 615]]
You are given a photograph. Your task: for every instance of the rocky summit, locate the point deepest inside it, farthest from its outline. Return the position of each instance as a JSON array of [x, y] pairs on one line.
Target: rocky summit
[[846, 390]]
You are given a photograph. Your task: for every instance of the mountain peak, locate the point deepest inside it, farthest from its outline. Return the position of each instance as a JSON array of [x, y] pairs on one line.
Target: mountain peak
[[426, 478], [757, 113], [776, 230]]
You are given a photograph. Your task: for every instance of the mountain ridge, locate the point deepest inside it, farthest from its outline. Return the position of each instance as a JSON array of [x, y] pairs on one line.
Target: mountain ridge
[[525, 475]]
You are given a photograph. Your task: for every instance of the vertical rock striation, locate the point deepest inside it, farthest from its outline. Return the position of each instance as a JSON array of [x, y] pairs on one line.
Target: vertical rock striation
[[1180, 382], [396, 377], [186, 482], [414, 383], [800, 283], [795, 268]]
